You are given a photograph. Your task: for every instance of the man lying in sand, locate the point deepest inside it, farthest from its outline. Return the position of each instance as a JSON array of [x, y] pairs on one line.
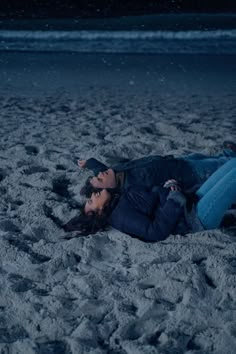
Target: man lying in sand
[[190, 171], [153, 214]]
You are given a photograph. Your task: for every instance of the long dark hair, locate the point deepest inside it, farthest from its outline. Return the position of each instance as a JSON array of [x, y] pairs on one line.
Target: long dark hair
[[87, 224], [88, 189]]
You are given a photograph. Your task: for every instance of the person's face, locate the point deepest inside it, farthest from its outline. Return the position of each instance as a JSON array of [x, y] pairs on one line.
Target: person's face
[[106, 179], [97, 201]]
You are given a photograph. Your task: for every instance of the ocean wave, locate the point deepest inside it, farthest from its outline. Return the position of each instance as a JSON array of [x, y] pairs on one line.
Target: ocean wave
[[194, 41], [126, 35]]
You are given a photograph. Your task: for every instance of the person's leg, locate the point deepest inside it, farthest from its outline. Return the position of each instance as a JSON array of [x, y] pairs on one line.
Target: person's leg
[[229, 153], [195, 156], [229, 146], [203, 168], [212, 206], [226, 153], [215, 177]]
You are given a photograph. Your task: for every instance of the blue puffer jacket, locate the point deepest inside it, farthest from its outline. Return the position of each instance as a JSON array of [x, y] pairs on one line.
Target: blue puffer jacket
[[150, 215]]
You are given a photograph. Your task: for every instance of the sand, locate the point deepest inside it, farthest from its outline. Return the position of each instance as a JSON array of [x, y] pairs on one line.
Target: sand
[[108, 293]]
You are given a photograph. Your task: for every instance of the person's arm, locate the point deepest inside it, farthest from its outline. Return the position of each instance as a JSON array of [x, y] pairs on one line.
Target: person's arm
[[135, 223], [145, 199], [142, 199], [92, 164], [142, 162]]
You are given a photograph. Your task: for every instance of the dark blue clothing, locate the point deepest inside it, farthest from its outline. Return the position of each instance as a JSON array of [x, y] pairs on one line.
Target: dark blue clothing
[[149, 215], [151, 171], [190, 171], [152, 214]]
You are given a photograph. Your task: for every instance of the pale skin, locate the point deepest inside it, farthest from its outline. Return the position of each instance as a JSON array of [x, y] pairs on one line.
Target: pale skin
[[106, 179], [172, 184], [99, 200]]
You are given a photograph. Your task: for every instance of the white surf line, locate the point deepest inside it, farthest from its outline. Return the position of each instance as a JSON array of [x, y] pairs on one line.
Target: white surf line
[[125, 35]]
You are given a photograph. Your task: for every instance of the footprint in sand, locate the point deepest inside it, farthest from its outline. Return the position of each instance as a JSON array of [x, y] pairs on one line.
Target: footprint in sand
[[60, 186], [35, 169], [31, 150], [158, 312], [8, 225], [20, 284], [61, 167], [53, 347], [40, 292], [12, 334], [3, 174], [128, 308], [21, 244]]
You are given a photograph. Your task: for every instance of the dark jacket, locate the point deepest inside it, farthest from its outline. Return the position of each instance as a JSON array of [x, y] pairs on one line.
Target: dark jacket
[[151, 171], [150, 215]]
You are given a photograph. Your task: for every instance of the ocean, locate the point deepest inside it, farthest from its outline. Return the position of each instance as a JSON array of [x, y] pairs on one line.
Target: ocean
[[213, 34]]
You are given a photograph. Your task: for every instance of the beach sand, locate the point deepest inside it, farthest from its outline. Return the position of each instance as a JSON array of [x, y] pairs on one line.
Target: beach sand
[[108, 293]]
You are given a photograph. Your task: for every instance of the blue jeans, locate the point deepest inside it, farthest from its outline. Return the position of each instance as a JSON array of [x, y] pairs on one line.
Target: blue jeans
[[204, 166], [216, 195]]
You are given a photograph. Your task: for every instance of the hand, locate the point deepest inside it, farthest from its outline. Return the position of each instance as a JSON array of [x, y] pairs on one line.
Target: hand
[[82, 163], [172, 184]]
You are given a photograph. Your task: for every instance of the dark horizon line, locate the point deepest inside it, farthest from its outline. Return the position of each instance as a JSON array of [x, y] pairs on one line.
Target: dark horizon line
[[104, 16]]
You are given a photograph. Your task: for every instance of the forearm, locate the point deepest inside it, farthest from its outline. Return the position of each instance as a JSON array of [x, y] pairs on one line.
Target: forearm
[[95, 165], [157, 228], [166, 218]]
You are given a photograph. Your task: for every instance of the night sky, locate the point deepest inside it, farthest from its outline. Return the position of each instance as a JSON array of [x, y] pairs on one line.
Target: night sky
[[23, 9]]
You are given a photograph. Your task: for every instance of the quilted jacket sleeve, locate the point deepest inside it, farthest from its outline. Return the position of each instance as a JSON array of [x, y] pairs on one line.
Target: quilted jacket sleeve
[[134, 222], [95, 165]]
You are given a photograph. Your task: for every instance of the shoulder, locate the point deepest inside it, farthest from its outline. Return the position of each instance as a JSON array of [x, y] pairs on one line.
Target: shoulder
[[121, 209]]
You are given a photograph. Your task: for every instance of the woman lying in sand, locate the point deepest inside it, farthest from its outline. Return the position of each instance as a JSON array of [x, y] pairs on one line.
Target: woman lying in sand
[[152, 215], [190, 171]]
